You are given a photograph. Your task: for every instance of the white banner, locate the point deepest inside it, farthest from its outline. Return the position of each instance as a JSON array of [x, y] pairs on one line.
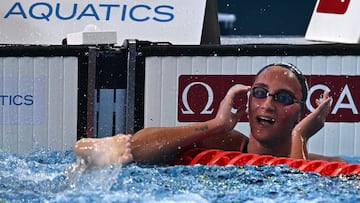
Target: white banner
[[335, 21], [50, 21], [38, 103]]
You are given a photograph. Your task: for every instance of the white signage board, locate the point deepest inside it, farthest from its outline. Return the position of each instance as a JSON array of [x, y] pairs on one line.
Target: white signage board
[[50, 21], [335, 21], [38, 103]]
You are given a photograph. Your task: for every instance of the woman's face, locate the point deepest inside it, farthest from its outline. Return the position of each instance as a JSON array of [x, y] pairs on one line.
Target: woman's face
[[270, 120]]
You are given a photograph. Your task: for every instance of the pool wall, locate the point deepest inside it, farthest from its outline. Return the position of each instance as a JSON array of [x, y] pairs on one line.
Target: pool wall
[[39, 103], [175, 76], [121, 89]]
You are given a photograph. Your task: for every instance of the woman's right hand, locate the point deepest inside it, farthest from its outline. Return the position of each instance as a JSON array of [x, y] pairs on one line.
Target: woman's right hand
[[225, 117]]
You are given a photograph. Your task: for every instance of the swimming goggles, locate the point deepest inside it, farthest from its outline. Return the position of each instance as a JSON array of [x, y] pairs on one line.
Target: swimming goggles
[[282, 97]]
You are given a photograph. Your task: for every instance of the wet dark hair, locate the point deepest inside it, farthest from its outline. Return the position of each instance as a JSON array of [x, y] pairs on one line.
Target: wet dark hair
[[301, 78]]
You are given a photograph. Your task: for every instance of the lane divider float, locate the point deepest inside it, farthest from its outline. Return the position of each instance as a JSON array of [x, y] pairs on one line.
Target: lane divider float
[[223, 158]]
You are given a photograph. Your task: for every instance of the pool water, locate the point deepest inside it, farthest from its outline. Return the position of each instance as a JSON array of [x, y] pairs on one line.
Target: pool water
[[41, 176]]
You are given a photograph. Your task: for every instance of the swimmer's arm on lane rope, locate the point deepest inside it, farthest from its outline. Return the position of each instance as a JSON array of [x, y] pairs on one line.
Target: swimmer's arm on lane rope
[[154, 145], [326, 158], [299, 151], [162, 144]]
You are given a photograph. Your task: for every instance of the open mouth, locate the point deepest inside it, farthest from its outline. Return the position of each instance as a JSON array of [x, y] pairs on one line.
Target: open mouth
[[264, 119]]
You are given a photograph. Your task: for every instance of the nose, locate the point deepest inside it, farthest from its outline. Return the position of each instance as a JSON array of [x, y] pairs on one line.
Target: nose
[[268, 102]]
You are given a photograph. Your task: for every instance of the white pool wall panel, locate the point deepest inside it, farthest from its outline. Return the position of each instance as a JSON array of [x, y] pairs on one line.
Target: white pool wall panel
[[51, 121]]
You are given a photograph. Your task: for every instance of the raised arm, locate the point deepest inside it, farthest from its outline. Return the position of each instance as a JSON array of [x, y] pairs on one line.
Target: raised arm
[[309, 126], [154, 145]]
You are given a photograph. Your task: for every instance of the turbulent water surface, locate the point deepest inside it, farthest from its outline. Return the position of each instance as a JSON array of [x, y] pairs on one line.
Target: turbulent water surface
[[42, 176]]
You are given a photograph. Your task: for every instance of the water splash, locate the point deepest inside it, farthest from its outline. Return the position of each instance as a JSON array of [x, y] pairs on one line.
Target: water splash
[[81, 176]]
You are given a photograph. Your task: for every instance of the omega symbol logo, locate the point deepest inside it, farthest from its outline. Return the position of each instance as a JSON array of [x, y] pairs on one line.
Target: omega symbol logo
[[185, 101]]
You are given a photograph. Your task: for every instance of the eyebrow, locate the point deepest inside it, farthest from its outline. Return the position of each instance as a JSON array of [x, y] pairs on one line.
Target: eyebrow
[[260, 84]]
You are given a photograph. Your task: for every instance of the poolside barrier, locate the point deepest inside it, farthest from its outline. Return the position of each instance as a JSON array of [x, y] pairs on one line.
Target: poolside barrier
[[223, 158]]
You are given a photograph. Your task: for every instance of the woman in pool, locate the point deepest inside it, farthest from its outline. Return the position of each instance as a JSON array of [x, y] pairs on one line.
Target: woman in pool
[[276, 103]]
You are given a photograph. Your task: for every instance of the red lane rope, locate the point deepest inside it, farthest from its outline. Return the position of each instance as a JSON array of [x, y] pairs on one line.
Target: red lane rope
[[222, 158]]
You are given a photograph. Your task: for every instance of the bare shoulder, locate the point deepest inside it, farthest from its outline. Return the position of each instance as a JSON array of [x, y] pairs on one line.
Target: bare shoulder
[[232, 141]]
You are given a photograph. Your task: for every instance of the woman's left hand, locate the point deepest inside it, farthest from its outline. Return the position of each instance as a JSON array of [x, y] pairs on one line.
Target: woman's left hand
[[313, 122]]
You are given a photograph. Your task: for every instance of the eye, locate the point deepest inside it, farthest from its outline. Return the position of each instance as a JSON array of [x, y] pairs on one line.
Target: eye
[[259, 92], [285, 98]]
